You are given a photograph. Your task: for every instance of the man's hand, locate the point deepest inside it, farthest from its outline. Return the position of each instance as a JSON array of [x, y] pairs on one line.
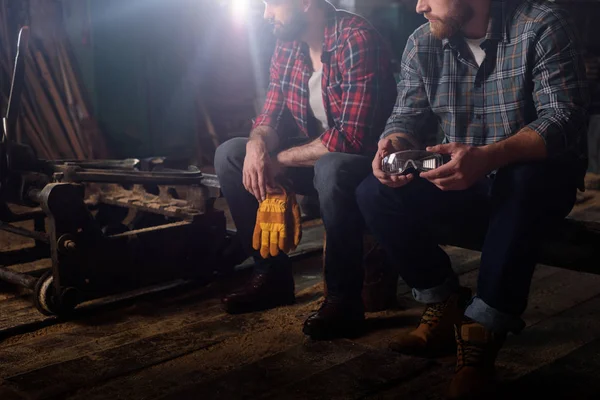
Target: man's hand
[[387, 146], [259, 170], [468, 164]]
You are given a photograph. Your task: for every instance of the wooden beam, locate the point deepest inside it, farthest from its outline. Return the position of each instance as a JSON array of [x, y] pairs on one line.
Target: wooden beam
[[59, 105], [49, 150], [47, 111]]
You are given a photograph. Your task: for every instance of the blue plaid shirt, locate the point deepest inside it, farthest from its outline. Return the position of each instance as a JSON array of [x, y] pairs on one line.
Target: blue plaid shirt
[[533, 76]]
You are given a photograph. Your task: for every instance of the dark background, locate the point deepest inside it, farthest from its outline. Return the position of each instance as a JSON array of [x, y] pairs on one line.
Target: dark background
[[160, 74]]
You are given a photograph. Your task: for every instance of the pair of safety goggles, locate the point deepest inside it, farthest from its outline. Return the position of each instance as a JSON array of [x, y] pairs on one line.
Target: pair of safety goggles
[[405, 162]]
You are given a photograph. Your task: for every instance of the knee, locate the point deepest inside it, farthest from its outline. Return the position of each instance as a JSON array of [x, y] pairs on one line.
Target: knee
[[368, 194], [529, 180], [327, 171], [541, 189], [339, 174], [230, 156]]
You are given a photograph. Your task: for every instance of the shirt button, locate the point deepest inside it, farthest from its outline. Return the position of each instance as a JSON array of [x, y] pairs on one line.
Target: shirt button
[[478, 116]]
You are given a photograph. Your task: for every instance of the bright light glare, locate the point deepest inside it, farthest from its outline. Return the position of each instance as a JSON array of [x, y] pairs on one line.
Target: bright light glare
[[240, 8]]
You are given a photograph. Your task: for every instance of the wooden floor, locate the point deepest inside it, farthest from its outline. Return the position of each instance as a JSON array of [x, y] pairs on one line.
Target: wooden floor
[[177, 344]]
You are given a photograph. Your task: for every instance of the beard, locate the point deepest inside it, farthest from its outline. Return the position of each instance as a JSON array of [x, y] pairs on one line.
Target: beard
[[291, 30], [459, 15]]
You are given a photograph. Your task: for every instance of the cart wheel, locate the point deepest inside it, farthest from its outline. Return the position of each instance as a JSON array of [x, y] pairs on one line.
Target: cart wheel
[[48, 302]]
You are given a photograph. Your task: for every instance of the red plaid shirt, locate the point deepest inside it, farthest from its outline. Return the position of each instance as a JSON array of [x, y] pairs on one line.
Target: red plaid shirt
[[359, 88]]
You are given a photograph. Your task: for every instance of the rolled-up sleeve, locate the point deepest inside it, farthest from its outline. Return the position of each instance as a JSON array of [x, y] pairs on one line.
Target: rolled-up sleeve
[[274, 105], [412, 105], [561, 93], [364, 71]]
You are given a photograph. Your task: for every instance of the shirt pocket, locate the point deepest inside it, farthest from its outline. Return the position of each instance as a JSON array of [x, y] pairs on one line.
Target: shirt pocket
[[513, 100]]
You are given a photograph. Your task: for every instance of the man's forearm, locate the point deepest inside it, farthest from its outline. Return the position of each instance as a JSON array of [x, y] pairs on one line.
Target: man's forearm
[[526, 145], [303, 156], [267, 135]]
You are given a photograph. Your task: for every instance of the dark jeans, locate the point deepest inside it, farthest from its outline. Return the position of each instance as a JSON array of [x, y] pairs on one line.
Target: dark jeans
[[334, 178], [509, 212]]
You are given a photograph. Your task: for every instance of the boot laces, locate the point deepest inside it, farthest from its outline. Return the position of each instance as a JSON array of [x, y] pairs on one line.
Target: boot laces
[[469, 354], [433, 313]]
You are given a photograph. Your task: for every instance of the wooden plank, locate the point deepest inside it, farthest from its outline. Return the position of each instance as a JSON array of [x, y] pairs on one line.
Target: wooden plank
[[48, 81], [72, 78], [25, 321], [574, 376], [551, 339], [47, 111], [71, 106], [559, 292], [62, 378], [7, 393], [368, 373], [279, 370], [13, 307], [75, 343], [33, 267], [8, 292], [47, 150], [265, 334]]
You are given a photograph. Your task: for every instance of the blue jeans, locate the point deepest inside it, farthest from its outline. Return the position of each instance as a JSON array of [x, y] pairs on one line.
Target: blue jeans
[[508, 213], [334, 179]]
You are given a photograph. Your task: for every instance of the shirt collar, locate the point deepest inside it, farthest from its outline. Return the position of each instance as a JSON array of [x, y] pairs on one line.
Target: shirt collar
[[499, 27]]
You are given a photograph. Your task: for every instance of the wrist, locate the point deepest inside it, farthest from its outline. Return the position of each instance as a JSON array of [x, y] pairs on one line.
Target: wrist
[[494, 156], [401, 142], [256, 143]]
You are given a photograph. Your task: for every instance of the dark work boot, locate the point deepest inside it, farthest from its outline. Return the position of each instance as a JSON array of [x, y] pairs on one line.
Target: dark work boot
[[336, 319], [263, 291], [434, 336]]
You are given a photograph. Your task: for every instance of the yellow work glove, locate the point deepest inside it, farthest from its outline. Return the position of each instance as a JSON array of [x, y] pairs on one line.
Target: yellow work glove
[[278, 226]]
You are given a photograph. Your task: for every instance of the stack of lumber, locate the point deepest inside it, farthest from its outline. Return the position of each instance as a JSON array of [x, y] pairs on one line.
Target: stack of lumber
[[55, 118]]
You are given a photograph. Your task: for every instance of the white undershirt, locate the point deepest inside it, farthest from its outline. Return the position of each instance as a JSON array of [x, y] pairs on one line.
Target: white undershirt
[[315, 93], [478, 52]]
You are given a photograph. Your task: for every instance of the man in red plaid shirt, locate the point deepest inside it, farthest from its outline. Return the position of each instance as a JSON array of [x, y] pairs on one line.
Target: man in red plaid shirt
[[331, 73]]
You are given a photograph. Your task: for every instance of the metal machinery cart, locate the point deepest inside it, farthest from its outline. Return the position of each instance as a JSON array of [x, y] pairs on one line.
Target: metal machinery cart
[[107, 225]]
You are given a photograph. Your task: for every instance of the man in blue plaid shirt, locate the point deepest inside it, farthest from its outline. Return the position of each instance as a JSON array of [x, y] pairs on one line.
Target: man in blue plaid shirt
[[506, 82]]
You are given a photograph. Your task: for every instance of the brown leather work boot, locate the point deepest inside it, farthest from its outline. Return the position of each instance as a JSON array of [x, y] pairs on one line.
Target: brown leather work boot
[[434, 336], [336, 319], [262, 292], [477, 349]]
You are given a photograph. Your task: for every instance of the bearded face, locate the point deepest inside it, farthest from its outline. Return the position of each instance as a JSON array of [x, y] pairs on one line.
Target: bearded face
[[287, 17], [447, 17]]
